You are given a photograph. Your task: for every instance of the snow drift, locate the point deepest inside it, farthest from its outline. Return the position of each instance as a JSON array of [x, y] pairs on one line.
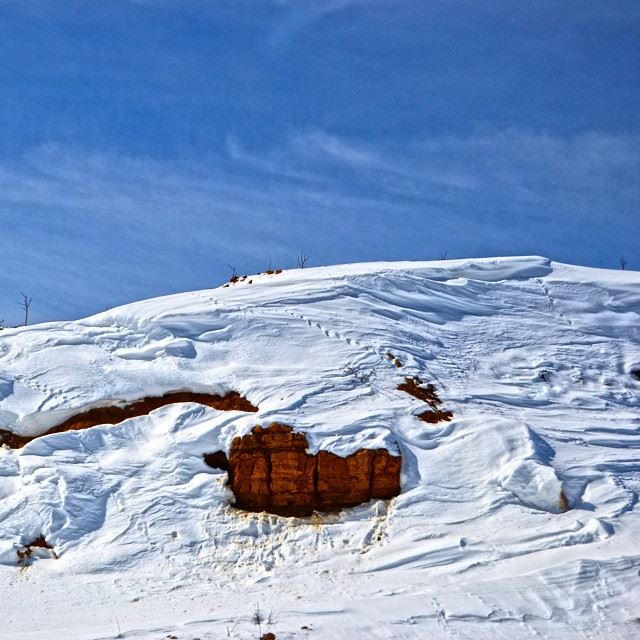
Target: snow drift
[[517, 512]]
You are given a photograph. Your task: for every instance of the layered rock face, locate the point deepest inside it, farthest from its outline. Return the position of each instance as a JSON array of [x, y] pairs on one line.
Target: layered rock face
[[270, 470], [231, 401]]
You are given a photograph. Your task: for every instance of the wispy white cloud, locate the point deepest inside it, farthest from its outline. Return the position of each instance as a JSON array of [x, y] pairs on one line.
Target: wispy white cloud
[[300, 15], [486, 162]]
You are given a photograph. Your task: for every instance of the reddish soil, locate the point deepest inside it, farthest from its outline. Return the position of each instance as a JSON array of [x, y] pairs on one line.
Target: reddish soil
[[27, 550], [428, 394], [394, 359], [433, 417], [39, 542], [270, 470], [232, 401], [235, 279]]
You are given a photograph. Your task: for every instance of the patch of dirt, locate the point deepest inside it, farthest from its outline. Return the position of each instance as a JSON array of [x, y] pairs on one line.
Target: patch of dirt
[[564, 502], [433, 417], [544, 375], [232, 401], [428, 394], [237, 279], [26, 552], [394, 359], [270, 470]]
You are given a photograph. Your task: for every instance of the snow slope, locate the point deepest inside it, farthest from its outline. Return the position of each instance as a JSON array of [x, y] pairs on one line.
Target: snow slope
[[532, 357]]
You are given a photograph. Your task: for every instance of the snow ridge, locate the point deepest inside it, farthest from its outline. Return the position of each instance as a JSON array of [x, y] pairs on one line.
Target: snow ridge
[[533, 358]]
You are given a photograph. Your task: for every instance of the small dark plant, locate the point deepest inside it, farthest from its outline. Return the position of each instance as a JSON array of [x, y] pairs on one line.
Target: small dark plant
[[231, 631], [259, 618], [361, 376]]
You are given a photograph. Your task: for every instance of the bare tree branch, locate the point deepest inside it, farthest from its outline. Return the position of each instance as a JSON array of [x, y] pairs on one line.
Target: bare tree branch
[[25, 304], [302, 258]]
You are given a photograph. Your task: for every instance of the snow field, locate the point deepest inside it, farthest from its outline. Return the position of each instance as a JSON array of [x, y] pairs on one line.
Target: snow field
[[533, 359]]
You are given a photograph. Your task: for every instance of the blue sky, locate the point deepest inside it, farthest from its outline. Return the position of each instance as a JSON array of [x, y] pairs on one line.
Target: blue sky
[[145, 146]]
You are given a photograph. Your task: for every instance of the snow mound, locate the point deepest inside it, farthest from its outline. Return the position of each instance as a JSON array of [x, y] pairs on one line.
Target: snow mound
[[526, 470], [533, 359], [535, 485]]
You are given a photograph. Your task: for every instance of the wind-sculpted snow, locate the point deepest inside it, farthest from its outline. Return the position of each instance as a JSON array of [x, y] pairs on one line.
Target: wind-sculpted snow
[[114, 414], [517, 518]]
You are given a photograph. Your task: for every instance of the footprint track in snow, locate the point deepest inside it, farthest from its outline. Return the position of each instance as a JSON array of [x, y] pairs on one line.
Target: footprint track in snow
[[443, 622]]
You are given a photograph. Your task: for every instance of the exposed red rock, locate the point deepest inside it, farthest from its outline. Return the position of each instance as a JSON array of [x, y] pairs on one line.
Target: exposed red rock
[[232, 401], [385, 475], [40, 543], [433, 417], [428, 394], [394, 360], [26, 551], [270, 470], [344, 482]]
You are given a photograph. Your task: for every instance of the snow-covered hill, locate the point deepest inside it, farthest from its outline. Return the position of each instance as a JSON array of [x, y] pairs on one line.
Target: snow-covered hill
[[535, 359]]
